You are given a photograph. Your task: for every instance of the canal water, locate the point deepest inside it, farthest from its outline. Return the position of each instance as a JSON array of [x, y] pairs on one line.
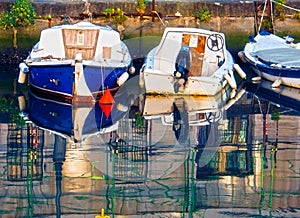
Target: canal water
[[148, 156]]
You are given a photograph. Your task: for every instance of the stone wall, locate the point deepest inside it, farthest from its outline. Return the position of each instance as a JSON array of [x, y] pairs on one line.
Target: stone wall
[[74, 8]]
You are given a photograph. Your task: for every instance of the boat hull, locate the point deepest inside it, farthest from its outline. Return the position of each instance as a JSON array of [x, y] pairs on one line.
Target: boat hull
[[60, 80], [158, 83], [288, 77]]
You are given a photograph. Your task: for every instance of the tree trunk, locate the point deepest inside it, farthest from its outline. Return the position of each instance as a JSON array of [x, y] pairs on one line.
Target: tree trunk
[[15, 38]]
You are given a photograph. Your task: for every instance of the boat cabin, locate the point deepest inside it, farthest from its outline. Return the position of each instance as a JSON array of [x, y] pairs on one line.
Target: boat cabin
[[200, 53], [93, 42]]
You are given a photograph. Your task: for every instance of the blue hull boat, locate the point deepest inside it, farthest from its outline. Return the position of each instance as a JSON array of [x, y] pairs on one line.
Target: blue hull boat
[[274, 58], [77, 62]]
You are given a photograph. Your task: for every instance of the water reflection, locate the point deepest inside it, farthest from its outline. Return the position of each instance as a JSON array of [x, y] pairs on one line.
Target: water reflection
[[146, 156]]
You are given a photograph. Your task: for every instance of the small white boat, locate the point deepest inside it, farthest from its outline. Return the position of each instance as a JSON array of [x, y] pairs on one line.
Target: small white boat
[[274, 58], [189, 61], [77, 61]]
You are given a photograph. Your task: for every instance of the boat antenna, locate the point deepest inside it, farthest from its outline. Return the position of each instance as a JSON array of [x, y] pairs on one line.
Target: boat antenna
[[262, 17]]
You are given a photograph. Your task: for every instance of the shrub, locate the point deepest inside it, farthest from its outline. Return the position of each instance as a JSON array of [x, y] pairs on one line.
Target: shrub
[[279, 7], [203, 14], [141, 6], [117, 15], [297, 15], [21, 13]]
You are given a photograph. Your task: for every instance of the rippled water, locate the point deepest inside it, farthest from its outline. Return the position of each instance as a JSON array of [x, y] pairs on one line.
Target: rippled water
[[220, 158]]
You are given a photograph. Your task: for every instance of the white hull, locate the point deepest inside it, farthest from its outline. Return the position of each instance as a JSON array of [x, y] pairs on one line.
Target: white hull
[[156, 83]]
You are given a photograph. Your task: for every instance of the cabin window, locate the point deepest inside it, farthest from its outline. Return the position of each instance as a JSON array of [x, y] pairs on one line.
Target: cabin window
[[80, 38], [106, 52], [193, 41]]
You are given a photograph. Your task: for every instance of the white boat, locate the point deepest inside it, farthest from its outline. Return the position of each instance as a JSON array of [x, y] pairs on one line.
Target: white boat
[[77, 61], [274, 58], [189, 61]]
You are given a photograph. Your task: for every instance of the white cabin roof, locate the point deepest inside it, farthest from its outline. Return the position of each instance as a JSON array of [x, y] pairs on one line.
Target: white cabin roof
[[96, 42]]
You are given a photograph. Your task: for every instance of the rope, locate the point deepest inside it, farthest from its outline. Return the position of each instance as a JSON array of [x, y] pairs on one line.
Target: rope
[[295, 9]]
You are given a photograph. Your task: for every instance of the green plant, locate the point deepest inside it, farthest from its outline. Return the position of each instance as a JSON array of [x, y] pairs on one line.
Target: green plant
[[297, 15], [203, 14], [279, 7], [9, 106], [21, 14], [275, 115], [117, 15], [141, 6], [266, 24], [108, 12]]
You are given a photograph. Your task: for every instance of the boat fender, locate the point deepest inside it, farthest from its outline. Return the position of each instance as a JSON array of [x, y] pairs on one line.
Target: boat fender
[[141, 80], [22, 102], [232, 93], [276, 83], [78, 66], [256, 79], [241, 55], [230, 80], [240, 71], [22, 74], [122, 79], [131, 70]]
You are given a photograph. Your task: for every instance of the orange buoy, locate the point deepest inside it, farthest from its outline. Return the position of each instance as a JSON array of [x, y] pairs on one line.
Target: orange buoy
[[106, 98], [106, 108]]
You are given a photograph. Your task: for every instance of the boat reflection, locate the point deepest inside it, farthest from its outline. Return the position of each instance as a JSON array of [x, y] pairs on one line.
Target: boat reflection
[[76, 121], [282, 96], [163, 156]]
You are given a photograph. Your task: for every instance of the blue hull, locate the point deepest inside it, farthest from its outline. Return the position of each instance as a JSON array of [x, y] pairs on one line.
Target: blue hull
[[54, 78], [59, 79], [279, 72], [59, 117], [288, 76]]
